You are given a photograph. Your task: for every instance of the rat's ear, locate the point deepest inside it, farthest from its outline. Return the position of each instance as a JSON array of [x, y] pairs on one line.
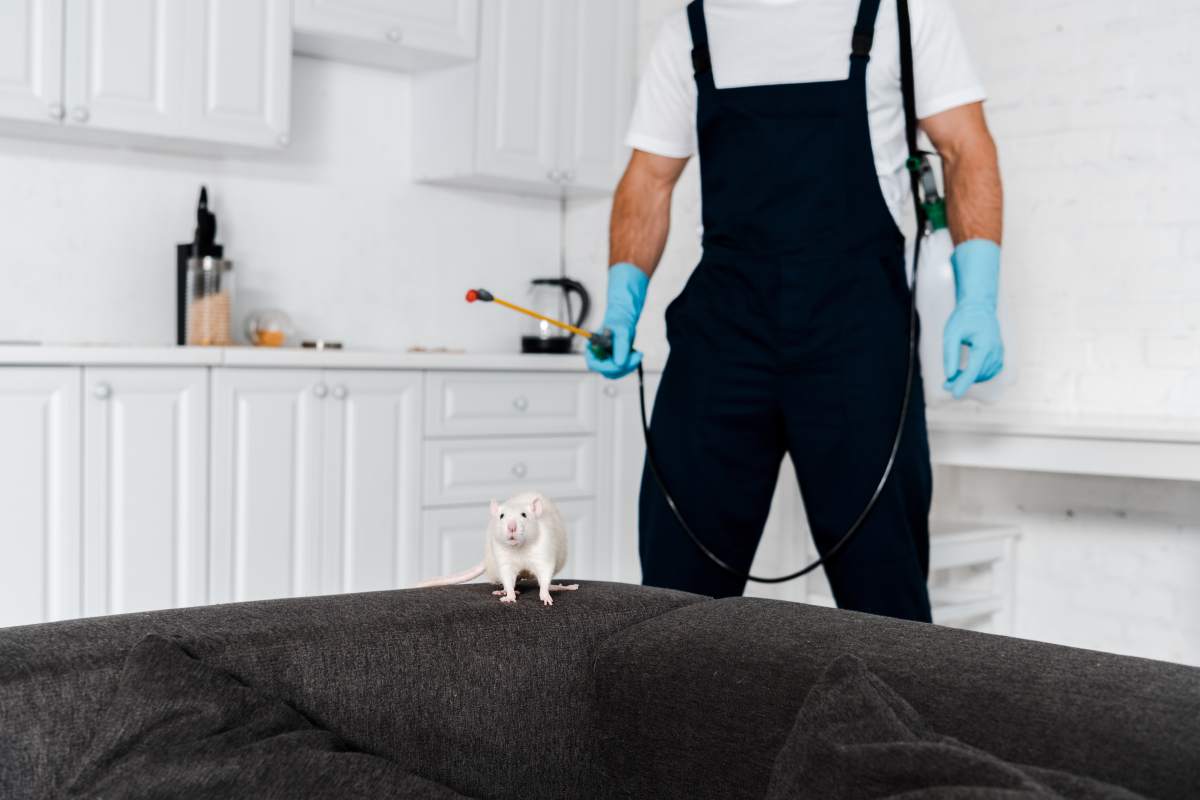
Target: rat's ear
[[536, 506], [495, 509]]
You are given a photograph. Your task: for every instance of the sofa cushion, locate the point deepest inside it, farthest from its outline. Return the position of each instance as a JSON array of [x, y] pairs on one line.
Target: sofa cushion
[[854, 737], [490, 699], [697, 703], [178, 727]]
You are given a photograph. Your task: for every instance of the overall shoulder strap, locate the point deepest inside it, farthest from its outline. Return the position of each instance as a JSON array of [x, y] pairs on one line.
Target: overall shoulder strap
[[907, 81], [701, 62], [908, 89], [864, 29]]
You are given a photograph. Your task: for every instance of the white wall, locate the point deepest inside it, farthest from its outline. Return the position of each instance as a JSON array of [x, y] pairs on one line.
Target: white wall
[[1095, 109], [333, 231]]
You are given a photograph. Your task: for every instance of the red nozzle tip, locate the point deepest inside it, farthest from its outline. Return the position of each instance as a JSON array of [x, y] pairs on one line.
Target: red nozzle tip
[[472, 295]]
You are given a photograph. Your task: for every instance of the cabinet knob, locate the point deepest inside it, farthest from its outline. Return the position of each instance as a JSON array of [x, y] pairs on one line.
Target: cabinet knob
[[56, 111], [102, 391], [80, 114], [283, 140], [568, 176], [320, 390], [519, 470], [554, 176], [339, 392], [395, 35], [520, 403], [610, 391]]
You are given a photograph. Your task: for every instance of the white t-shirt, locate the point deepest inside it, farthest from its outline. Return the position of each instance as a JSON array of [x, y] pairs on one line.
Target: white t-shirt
[[754, 42]]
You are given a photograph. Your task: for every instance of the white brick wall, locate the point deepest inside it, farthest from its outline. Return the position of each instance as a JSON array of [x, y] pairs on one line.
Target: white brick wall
[[1095, 105]]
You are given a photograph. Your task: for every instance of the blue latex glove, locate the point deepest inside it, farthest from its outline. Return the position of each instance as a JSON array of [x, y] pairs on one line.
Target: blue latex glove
[[973, 323], [626, 295]]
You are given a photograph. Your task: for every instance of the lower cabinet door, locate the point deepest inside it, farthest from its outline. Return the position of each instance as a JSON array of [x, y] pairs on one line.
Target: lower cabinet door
[[39, 494], [266, 483], [145, 477], [622, 455], [452, 539], [370, 488]]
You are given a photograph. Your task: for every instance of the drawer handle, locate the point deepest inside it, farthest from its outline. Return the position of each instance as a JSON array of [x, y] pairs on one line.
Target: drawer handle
[[339, 392], [519, 470], [320, 390], [521, 403], [102, 391], [610, 391]]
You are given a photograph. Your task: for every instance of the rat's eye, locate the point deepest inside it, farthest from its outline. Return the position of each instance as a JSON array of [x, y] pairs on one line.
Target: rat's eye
[[501, 515], [523, 515]]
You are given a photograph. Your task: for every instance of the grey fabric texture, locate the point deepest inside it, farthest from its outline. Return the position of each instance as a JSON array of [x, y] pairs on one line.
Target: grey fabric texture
[[505, 691], [178, 727], [856, 738], [697, 703]]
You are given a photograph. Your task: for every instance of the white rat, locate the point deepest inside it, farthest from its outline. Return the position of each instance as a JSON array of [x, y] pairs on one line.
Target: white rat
[[525, 538]]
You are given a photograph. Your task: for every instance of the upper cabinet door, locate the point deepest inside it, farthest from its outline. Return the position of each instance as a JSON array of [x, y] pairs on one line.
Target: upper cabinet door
[[372, 437], [598, 66], [203, 70], [39, 494], [145, 481], [239, 71], [125, 65], [31, 52], [266, 483], [404, 34], [518, 89]]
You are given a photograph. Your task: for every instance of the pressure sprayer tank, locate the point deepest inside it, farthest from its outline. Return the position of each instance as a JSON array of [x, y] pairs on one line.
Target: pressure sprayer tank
[[935, 303]]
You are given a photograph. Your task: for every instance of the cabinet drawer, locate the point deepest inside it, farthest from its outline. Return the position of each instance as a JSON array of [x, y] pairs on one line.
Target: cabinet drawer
[[478, 470], [481, 404]]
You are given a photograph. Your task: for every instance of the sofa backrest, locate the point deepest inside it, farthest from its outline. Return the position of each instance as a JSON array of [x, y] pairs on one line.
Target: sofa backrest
[[697, 703], [490, 699]]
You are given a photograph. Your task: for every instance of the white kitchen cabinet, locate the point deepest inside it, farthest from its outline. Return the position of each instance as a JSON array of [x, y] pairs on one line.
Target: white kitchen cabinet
[[519, 90], [371, 485], [452, 539], [238, 76], [40, 572], [622, 455], [401, 34], [315, 481], [543, 111], [125, 65], [31, 60], [266, 483], [145, 488], [133, 72], [598, 74], [509, 403]]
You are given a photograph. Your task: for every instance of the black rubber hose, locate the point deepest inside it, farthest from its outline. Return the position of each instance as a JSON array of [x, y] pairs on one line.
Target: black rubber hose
[[854, 528]]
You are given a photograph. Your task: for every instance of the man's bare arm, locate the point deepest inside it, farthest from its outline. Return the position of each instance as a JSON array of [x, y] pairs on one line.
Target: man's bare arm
[[641, 214], [974, 197]]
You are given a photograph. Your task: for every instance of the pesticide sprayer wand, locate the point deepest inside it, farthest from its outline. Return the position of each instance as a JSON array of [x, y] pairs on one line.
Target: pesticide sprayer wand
[[599, 342]]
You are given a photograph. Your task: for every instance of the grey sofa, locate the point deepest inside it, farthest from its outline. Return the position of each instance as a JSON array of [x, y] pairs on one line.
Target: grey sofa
[[615, 691]]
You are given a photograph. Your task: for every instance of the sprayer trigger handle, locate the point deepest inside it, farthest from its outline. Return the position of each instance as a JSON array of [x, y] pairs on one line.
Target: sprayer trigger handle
[[601, 343]]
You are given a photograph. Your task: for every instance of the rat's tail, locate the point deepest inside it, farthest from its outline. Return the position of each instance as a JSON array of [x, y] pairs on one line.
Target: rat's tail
[[449, 580]]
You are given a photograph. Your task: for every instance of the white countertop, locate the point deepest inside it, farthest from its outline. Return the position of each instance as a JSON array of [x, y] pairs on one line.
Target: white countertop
[[113, 355], [975, 418]]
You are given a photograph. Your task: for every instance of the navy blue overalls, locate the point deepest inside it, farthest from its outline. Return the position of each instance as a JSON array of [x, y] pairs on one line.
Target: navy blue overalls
[[791, 335]]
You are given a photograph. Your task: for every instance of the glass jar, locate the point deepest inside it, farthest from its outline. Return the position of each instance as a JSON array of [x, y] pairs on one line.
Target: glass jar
[[268, 328], [209, 301]]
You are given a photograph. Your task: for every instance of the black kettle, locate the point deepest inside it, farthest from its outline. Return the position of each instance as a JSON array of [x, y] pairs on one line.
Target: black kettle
[[551, 297]]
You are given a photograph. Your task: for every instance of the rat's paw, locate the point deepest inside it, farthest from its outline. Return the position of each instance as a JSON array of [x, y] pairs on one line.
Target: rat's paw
[[509, 598], [501, 592], [547, 600]]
